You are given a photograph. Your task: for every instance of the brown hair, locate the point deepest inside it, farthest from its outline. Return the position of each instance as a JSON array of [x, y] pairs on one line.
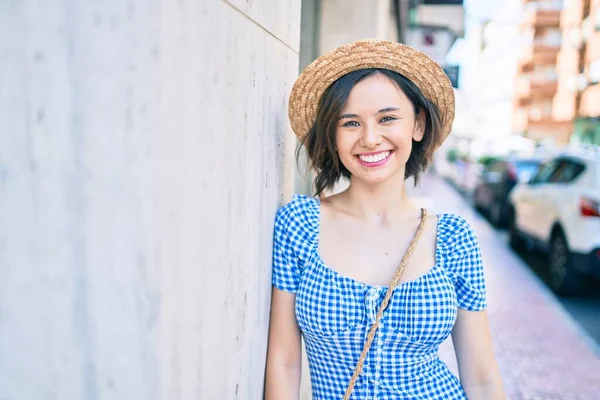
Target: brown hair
[[320, 145]]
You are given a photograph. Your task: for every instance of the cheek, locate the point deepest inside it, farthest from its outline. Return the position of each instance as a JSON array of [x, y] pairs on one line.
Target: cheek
[[340, 139], [346, 159], [344, 145]]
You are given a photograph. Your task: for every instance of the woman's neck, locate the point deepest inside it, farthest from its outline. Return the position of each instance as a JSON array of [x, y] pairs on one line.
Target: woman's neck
[[385, 203]]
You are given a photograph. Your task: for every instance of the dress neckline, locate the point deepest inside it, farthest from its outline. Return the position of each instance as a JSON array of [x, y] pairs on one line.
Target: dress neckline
[[323, 264]]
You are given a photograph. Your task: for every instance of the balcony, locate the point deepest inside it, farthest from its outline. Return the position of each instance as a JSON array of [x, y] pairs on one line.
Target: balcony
[[560, 131], [540, 128], [545, 49], [540, 89], [545, 57], [539, 53], [540, 18]]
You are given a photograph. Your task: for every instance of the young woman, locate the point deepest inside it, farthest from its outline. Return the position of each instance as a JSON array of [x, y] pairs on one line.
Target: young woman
[[374, 284]]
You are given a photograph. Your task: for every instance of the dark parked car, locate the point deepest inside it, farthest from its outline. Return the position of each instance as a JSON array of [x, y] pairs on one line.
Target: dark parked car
[[497, 179]]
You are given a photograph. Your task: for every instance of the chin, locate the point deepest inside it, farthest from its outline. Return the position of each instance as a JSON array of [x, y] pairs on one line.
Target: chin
[[375, 179]]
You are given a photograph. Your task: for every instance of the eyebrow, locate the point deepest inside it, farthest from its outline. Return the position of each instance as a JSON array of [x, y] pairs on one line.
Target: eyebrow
[[383, 110]]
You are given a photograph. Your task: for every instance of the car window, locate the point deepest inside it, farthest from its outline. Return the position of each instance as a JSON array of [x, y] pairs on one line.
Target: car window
[[546, 171], [567, 171], [526, 169]]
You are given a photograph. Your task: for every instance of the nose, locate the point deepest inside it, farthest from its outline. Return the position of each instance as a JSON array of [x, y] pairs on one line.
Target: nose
[[370, 137]]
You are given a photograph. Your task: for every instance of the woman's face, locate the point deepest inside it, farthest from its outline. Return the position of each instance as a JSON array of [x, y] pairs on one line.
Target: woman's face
[[375, 130]]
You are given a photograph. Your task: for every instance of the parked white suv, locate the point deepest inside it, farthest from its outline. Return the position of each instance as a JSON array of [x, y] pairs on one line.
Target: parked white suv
[[558, 211]]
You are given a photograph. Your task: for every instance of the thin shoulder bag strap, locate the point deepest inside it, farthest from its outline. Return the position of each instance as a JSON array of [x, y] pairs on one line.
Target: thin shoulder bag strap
[[359, 366]]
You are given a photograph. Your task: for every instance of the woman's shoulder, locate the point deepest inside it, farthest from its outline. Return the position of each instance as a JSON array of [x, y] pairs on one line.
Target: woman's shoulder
[[454, 229], [461, 258], [301, 213]]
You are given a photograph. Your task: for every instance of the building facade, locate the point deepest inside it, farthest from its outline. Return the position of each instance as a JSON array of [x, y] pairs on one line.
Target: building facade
[[556, 91], [587, 126], [537, 79]]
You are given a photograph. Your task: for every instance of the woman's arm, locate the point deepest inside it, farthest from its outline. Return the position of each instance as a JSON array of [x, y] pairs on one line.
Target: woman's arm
[[284, 355], [479, 374]]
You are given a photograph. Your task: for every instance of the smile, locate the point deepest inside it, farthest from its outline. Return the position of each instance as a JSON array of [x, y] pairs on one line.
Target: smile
[[374, 159]]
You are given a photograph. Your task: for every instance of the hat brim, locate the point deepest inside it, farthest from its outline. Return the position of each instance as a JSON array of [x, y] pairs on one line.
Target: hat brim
[[429, 77]]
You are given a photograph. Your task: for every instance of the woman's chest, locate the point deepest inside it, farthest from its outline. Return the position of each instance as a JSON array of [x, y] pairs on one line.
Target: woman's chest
[[372, 255], [329, 305]]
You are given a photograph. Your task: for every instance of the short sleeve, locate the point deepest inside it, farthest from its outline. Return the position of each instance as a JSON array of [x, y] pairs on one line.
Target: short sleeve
[[463, 261], [286, 271]]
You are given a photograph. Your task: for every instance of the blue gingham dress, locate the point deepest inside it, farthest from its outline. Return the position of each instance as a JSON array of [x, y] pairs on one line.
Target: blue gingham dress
[[335, 312]]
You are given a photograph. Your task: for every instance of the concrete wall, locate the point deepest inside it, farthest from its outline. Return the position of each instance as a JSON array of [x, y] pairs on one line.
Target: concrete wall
[[144, 148]]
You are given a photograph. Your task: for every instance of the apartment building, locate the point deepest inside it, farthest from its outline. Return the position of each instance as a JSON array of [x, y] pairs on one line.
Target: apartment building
[[537, 75], [587, 125], [557, 95]]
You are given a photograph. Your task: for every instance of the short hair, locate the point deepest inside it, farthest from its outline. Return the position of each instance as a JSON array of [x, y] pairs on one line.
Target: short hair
[[320, 141]]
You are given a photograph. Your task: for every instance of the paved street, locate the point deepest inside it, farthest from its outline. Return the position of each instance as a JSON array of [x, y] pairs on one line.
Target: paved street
[[584, 308], [543, 353]]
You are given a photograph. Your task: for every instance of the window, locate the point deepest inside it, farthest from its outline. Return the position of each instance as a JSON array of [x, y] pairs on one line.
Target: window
[[540, 109], [550, 4], [544, 74], [550, 38], [567, 171], [546, 171]]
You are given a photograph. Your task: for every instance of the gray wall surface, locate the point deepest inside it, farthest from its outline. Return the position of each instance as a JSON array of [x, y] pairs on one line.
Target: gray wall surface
[[144, 148]]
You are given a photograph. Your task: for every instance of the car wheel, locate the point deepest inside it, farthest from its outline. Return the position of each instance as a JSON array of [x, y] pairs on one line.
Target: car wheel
[[516, 240], [564, 279]]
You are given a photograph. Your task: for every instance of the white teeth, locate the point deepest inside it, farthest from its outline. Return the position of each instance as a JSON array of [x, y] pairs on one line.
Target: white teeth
[[375, 158]]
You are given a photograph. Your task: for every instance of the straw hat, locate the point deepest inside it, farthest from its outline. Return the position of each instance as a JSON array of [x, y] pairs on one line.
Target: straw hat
[[429, 77]]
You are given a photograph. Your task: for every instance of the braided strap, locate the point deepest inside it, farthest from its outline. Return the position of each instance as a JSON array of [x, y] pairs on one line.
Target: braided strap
[[363, 355]]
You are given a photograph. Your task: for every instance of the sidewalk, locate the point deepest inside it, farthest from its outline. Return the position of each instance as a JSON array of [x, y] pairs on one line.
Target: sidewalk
[[542, 353]]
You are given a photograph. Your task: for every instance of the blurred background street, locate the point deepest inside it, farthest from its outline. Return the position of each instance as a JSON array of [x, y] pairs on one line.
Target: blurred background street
[[583, 308], [534, 335], [145, 149]]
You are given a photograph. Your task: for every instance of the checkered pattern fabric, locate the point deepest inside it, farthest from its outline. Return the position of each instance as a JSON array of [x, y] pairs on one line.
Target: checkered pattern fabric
[[335, 312]]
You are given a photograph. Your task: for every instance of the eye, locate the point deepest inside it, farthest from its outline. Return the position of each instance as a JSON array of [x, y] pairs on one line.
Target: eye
[[388, 119], [351, 123]]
